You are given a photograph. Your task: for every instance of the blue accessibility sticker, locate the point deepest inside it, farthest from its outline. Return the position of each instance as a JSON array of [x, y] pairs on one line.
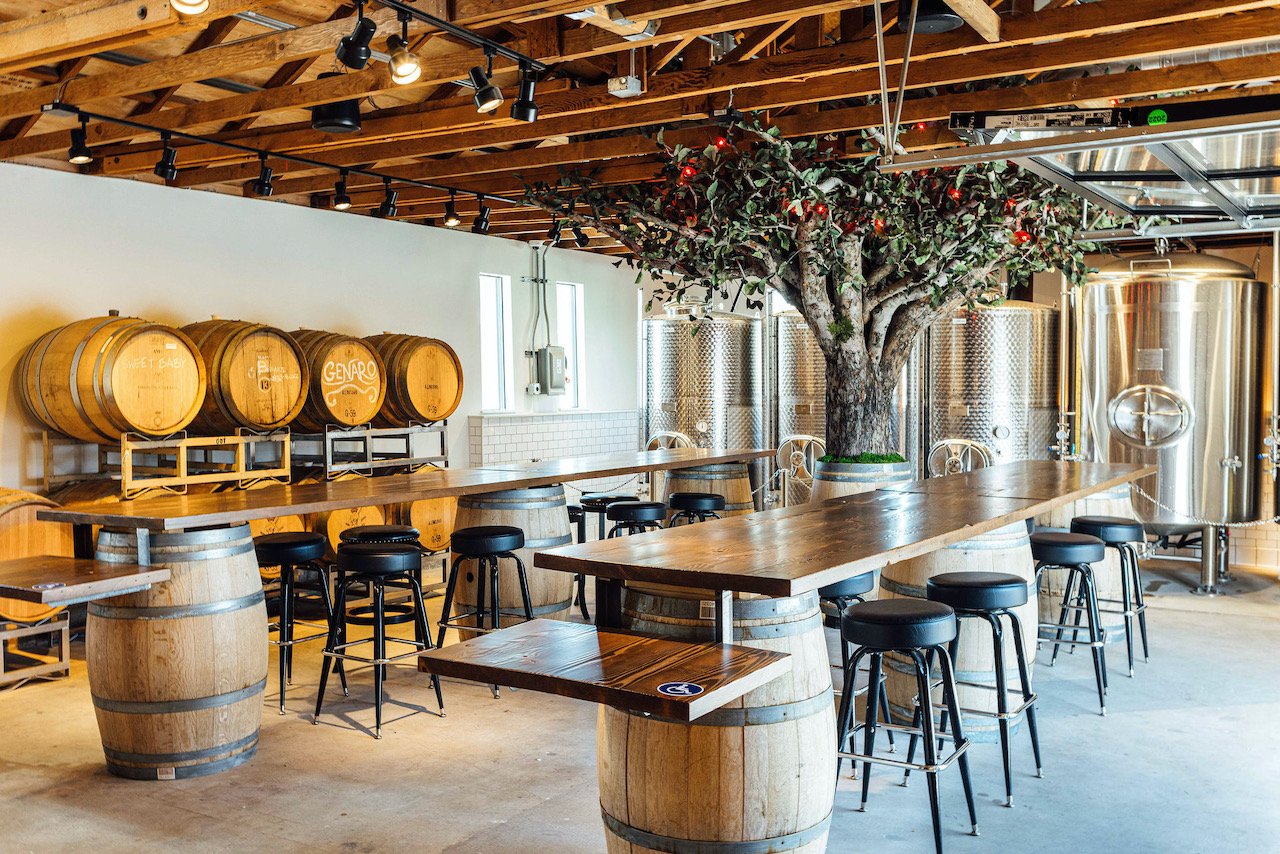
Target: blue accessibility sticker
[[680, 689]]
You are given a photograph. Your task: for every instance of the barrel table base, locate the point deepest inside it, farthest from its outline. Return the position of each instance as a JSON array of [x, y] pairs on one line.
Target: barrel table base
[[755, 776], [177, 672], [732, 480], [1006, 550]]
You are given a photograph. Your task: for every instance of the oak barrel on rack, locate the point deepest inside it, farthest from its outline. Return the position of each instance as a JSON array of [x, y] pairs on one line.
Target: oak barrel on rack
[[257, 376], [333, 522], [424, 379], [757, 775], [177, 672], [23, 535], [95, 379], [543, 516], [348, 380], [732, 480], [433, 517], [1006, 550]]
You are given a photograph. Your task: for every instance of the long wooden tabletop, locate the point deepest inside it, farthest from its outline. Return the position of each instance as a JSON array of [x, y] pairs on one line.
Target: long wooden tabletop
[[797, 549], [174, 512]]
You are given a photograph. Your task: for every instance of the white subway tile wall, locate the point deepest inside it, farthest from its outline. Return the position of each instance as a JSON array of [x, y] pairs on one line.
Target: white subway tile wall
[[501, 438], [1259, 546]]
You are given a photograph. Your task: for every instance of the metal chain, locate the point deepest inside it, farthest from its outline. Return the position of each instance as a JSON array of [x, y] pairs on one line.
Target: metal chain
[[581, 491], [1201, 522]]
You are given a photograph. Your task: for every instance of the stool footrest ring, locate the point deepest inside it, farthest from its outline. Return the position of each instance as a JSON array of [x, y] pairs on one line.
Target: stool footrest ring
[[908, 766]]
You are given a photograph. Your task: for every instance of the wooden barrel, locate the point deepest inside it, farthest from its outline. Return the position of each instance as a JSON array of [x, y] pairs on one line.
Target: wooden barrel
[[97, 378], [732, 480], [541, 513], [177, 672], [433, 517], [755, 776], [1007, 550], [23, 535], [289, 523], [833, 480], [348, 380], [1113, 502], [424, 379], [332, 523], [257, 376]]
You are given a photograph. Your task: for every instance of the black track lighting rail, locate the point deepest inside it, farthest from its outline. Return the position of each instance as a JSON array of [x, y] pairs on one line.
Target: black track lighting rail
[[491, 47], [65, 109]]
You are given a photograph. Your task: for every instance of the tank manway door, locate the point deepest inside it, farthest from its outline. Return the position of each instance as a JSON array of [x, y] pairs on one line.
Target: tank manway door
[[1149, 416]]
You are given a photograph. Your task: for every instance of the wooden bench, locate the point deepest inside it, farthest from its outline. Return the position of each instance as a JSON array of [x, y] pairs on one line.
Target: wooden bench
[[670, 679], [52, 580]]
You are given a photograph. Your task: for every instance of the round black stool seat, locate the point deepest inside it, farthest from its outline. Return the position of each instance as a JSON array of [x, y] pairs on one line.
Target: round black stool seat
[[1059, 549], [289, 548], [898, 624], [704, 502], [859, 585], [379, 558], [1112, 530], [380, 534], [596, 502], [978, 591], [636, 511], [486, 540], [575, 513]]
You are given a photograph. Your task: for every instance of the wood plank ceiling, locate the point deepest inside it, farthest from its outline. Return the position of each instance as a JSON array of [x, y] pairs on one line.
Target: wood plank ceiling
[[247, 70]]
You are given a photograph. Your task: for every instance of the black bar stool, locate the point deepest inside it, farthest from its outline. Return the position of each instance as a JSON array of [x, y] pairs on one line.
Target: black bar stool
[[598, 502], [292, 551], [1075, 553], [1120, 534], [693, 507], [393, 613], [635, 517], [989, 596], [833, 599], [376, 564], [920, 629], [485, 544], [578, 518], [380, 534]]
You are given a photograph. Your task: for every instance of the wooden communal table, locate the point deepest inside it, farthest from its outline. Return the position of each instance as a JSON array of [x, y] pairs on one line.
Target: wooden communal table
[[167, 716]]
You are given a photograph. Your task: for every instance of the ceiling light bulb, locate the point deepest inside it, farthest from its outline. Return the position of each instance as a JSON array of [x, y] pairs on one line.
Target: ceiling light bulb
[[189, 7], [525, 109], [353, 50], [79, 152], [166, 168], [405, 66], [488, 97], [451, 217], [341, 198]]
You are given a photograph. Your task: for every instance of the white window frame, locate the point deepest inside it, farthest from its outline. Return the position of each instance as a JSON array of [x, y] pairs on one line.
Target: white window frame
[[577, 307], [497, 375]]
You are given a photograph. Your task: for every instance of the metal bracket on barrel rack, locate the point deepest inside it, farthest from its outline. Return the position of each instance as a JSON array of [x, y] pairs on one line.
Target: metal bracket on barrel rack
[[365, 449]]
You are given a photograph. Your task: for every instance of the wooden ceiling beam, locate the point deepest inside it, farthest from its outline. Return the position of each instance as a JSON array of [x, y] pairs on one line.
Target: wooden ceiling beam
[[979, 15], [20, 127], [215, 33]]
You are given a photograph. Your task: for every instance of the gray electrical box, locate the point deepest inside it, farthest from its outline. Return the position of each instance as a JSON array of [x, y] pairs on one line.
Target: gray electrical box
[[551, 369]]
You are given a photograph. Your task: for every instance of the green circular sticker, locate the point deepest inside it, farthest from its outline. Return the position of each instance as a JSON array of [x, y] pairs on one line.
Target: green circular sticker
[[1157, 117]]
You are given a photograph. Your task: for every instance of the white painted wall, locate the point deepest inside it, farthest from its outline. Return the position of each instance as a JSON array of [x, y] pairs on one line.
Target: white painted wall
[[74, 246]]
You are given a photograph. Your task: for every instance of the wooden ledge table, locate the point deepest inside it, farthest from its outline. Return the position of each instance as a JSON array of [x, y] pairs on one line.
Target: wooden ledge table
[[214, 596], [782, 557]]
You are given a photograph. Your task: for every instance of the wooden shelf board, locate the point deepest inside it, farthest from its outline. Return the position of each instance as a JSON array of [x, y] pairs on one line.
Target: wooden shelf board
[[51, 580]]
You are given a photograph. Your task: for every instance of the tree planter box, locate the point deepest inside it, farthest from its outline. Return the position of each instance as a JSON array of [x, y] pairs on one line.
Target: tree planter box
[[832, 480]]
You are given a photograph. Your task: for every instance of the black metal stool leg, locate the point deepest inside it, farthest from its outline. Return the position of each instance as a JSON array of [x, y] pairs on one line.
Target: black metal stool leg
[[1065, 611], [420, 617], [379, 653], [1095, 639], [525, 599], [495, 620], [883, 694], [1024, 677], [335, 636], [911, 745], [930, 751], [957, 733], [1138, 598], [1126, 602], [845, 714], [286, 621], [869, 731], [327, 598], [580, 586], [450, 587], [1002, 703]]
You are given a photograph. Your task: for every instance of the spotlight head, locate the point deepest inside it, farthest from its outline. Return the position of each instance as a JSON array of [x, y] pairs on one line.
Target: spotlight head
[[262, 185], [405, 66], [481, 223], [488, 97], [79, 152], [451, 218], [353, 50], [166, 168], [341, 198], [580, 238], [337, 116], [388, 207], [525, 109], [189, 8], [932, 16], [553, 233]]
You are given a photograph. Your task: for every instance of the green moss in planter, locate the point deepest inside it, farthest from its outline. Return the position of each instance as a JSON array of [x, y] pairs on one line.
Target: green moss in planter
[[865, 458]]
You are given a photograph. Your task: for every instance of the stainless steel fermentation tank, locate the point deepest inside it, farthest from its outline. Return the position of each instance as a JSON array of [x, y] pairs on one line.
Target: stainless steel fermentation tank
[[992, 380]]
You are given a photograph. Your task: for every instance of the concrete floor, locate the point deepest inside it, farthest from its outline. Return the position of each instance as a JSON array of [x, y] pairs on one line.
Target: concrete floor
[[1183, 762]]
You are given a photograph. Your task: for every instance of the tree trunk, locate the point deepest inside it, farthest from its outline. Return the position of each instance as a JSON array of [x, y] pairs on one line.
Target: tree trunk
[[859, 409]]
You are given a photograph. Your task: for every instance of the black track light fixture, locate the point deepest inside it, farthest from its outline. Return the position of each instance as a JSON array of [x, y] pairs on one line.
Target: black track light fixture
[[341, 198], [451, 217], [553, 233], [388, 207], [336, 116], [524, 109], [262, 185], [480, 225], [488, 97], [79, 153], [167, 168], [580, 238], [353, 50], [932, 16]]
